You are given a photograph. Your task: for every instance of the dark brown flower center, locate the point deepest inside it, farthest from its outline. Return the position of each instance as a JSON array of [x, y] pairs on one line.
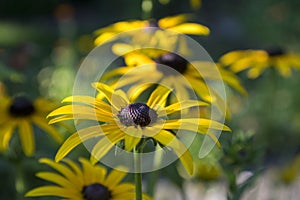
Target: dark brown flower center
[[137, 114], [274, 51], [21, 107], [172, 60], [152, 23], [96, 191]]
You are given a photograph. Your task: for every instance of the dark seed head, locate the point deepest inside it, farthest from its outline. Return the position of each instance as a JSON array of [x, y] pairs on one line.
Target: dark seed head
[[21, 107], [172, 60], [96, 191], [137, 114], [274, 51], [152, 23]]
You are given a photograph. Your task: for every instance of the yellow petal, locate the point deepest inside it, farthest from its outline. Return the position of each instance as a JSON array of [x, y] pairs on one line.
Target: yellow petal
[[191, 28], [171, 21], [183, 105], [62, 169], [104, 145], [56, 178], [6, 134], [117, 101], [168, 139], [132, 138], [27, 137], [50, 191], [91, 101], [159, 96], [81, 136]]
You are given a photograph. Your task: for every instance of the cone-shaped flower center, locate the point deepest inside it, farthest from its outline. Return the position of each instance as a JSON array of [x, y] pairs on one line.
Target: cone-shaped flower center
[[172, 60], [275, 51], [96, 191], [21, 107], [137, 114]]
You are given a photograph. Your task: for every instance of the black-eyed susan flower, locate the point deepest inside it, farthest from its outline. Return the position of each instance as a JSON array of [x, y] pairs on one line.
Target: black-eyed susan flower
[[88, 182], [19, 114], [196, 73], [126, 120], [175, 23], [257, 61]]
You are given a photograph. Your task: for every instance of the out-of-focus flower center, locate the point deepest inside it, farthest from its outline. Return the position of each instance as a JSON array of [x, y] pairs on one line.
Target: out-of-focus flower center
[[21, 107], [96, 191], [137, 114], [275, 51], [172, 60], [152, 23]]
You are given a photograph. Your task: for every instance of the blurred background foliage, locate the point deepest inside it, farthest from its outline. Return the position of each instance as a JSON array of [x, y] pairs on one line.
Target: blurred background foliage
[[43, 42]]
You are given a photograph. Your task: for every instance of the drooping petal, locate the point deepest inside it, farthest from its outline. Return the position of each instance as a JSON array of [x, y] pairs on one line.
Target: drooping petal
[[105, 144], [168, 139], [132, 138], [26, 137], [6, 134]]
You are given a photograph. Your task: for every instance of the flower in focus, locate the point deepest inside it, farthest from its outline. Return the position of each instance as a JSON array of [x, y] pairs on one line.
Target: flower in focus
[[196, 73], [87, 182], [175, 23], [257, 61], [19, 112], [126, 120]]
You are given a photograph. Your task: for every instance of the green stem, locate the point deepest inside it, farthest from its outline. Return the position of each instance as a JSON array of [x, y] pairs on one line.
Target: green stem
[[138, 174], [154, 175], [147, 7], [19, 181]]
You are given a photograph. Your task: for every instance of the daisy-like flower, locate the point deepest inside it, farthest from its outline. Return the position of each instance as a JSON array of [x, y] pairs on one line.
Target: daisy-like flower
[[20, 113], [88, 182], [257, 61], [126, 120], [175, 23], [197, 73]]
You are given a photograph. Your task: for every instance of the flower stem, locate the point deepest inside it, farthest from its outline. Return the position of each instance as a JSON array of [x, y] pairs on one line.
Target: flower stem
[[138, 174]]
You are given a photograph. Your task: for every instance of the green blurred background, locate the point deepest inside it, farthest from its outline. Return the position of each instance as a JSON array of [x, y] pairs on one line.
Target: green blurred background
[[43, 42]]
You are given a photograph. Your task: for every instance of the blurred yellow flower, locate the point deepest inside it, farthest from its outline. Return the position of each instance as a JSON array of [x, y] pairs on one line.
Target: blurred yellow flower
[[257, 61], [196, 74], [87, 182], [291, 172], [127, 120], [21, 113], [175, 23]]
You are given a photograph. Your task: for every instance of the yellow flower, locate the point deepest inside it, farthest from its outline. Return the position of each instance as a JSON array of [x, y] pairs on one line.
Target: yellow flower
[[175, 23], [256, 61], [21, 113], [83, 183], [291, 172], [195, 74], [126, 120]]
